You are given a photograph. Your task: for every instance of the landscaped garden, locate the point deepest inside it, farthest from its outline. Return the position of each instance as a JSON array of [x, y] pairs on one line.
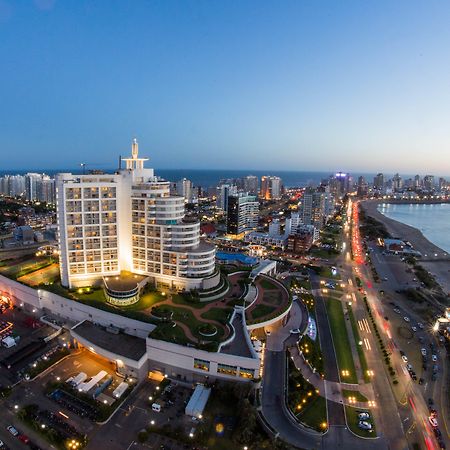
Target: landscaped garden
[[312, 353], [273, 299], [304, 400], [354, 395], [341, 341], [351, 415], [357, 337], [180, 317]]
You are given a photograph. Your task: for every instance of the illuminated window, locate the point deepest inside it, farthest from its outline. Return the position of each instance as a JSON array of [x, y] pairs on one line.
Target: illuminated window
[[201, 364]]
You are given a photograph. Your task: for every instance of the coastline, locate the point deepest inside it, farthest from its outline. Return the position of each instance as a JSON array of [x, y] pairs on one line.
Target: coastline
[[439, 266]]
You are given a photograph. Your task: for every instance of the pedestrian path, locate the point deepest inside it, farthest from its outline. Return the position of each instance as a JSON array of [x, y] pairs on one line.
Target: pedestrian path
[[329, 389]]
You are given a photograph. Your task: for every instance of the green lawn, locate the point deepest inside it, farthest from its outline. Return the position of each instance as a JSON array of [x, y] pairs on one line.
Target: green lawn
[[305, 284], [266, 284], [304, 401], [188, 300], [323, 253], [219, 314], [261, 311], [23, 266], [168, 332], [146, 301], [315, 415], [352, 421], [326, 273], [312, 353], [358, 396], [273, 297], [90, 294], [187, 317], [357, 337], [341, 341]]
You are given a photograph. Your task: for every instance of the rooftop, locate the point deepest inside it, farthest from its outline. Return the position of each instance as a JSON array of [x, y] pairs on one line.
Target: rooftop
[[126, 281], [239, 345], [122, 344]]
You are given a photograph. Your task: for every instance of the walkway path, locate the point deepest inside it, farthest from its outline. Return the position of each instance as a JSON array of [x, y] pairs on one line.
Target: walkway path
[[331, 390]]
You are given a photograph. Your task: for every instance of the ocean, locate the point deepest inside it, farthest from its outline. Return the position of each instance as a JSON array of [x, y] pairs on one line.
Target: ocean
[[432, 220]]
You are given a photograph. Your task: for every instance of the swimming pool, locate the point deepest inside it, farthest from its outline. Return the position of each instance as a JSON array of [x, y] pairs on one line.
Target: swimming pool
[[240, 258]]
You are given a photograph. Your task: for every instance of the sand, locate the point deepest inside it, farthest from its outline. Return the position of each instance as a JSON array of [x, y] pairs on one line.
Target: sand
[[438, 265]]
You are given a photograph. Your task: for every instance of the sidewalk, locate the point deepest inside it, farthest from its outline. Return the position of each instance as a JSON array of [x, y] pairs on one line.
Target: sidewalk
[[329, 389]]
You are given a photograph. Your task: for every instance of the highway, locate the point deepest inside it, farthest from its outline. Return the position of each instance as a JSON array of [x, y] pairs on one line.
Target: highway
[[412, 407]]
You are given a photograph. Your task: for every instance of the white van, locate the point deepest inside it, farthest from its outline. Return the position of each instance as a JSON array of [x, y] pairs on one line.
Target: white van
[[156, 407]]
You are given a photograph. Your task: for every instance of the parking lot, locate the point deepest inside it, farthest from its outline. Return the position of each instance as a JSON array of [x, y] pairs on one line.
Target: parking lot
[[25, 330], [414, 344], [136, 415]]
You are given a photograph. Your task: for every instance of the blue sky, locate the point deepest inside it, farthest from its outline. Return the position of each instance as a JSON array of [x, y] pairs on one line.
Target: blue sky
[[301, 85]]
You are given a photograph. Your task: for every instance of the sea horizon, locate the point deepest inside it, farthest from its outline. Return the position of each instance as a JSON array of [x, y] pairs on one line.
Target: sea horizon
[[210, 177]]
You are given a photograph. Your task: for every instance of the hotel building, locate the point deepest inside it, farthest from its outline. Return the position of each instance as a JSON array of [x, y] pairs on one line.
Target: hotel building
[[242, 213], [129, 221]]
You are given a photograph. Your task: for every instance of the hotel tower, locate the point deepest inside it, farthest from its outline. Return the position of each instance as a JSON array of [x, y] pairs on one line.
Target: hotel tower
[[128, 222]]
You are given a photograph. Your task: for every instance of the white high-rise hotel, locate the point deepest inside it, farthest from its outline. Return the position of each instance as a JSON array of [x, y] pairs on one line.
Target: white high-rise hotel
[[128, 221]]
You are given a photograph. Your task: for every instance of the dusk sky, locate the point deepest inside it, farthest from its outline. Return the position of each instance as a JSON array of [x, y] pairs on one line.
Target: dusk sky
[[302, 85]]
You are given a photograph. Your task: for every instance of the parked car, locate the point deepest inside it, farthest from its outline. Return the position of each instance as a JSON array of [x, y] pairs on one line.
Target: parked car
[[12, 430], [364, 415], [404, 358], [23, 438], [364, 425], [434, 358], [406, 319], [295, 331], [420, 325], [423, 351]]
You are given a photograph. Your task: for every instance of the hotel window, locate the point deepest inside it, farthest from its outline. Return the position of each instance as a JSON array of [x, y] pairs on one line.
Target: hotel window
[[90, 192], [90, 205], [73, 193], [227, 370], [246, 373], [108, 192], [109, 230], [74, 219], [109, 242], [201, 364], [109, 217], [108, 205]]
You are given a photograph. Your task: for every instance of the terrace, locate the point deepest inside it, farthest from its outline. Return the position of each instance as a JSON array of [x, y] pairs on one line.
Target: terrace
[[183, 318]]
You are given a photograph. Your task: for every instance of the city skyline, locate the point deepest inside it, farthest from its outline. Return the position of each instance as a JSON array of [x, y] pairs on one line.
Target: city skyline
[[305, 87]]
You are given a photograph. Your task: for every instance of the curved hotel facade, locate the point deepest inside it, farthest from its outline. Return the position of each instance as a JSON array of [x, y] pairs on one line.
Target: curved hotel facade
[[128, 221]]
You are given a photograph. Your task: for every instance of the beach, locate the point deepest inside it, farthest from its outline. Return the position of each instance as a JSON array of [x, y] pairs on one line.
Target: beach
[[438, 265]]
